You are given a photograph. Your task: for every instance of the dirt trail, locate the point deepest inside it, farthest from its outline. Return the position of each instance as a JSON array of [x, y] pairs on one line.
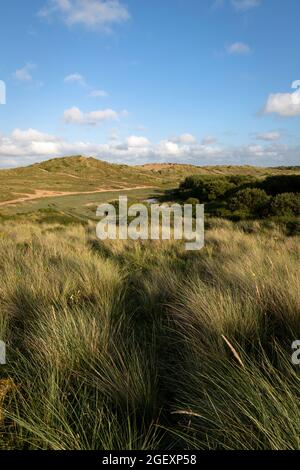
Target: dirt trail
[[40, 194]]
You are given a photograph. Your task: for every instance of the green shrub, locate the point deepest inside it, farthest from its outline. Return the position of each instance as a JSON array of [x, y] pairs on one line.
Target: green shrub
[[286, 204], [241, 180], [274, 185], [255, 201], [207, 188]]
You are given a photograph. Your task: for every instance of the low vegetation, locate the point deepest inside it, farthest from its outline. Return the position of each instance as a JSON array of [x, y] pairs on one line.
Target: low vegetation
[[78, 174], [245, 197], [142, 345]]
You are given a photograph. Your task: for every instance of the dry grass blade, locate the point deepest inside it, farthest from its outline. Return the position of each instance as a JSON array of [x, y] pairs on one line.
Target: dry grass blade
[[187, 413], [234, 351]]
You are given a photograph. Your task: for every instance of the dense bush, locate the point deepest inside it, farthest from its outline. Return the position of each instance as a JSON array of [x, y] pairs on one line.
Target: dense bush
[[207, 188], [281, 184], [242, 180], [241, 196], [286, 204], [255, 201]]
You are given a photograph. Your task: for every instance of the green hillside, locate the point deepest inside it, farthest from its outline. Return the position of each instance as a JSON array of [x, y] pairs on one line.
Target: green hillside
[[69, 176]]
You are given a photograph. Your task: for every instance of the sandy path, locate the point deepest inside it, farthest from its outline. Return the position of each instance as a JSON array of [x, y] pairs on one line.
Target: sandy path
[[40, 194]]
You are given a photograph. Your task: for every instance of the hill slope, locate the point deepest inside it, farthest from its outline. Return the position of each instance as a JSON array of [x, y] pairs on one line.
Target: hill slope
[[78, 174], [70, 175], [168, 169]]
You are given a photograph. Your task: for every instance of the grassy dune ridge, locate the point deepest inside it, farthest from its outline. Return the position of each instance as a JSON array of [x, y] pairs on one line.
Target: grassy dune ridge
[[142, 345], [81, 174]]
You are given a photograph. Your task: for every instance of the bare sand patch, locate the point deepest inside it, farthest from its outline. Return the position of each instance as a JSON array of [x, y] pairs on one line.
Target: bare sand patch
[[41, 194]]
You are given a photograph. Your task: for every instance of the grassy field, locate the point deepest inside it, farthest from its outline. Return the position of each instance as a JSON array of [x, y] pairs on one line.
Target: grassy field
[[81, 206], [142, 345]]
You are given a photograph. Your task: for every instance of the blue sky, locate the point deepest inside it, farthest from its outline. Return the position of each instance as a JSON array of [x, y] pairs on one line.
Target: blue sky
[[188, 81]]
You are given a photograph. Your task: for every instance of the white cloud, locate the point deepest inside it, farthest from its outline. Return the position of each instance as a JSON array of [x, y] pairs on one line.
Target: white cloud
[[98, 94], [244, 5], [136, 141], [23, 147], [76, 116], [33, 145], [31, 135], [296, 84], [44, 148], [269, 136], [260, 151], [209, 139], [238, 48], [90, 13], [80, 80], [169, 148], [24, 74], [28, 143], [256, 150], [75, 78], [283, 104]]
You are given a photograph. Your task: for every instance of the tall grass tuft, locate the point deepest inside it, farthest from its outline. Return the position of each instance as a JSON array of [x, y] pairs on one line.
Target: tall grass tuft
[[142, 345]]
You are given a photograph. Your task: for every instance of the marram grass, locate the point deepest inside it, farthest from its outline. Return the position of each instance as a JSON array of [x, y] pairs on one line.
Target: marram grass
[[142, 345]]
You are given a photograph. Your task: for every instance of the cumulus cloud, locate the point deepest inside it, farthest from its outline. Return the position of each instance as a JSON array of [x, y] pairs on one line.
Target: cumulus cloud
[[24, 147], [238, 48], [269, 136], [76, 116], [24, 74], [32, 135], [244, 5], [283, 104], [32, 145], [137, 141], [28, 144], [92, 14], [169, 148]]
